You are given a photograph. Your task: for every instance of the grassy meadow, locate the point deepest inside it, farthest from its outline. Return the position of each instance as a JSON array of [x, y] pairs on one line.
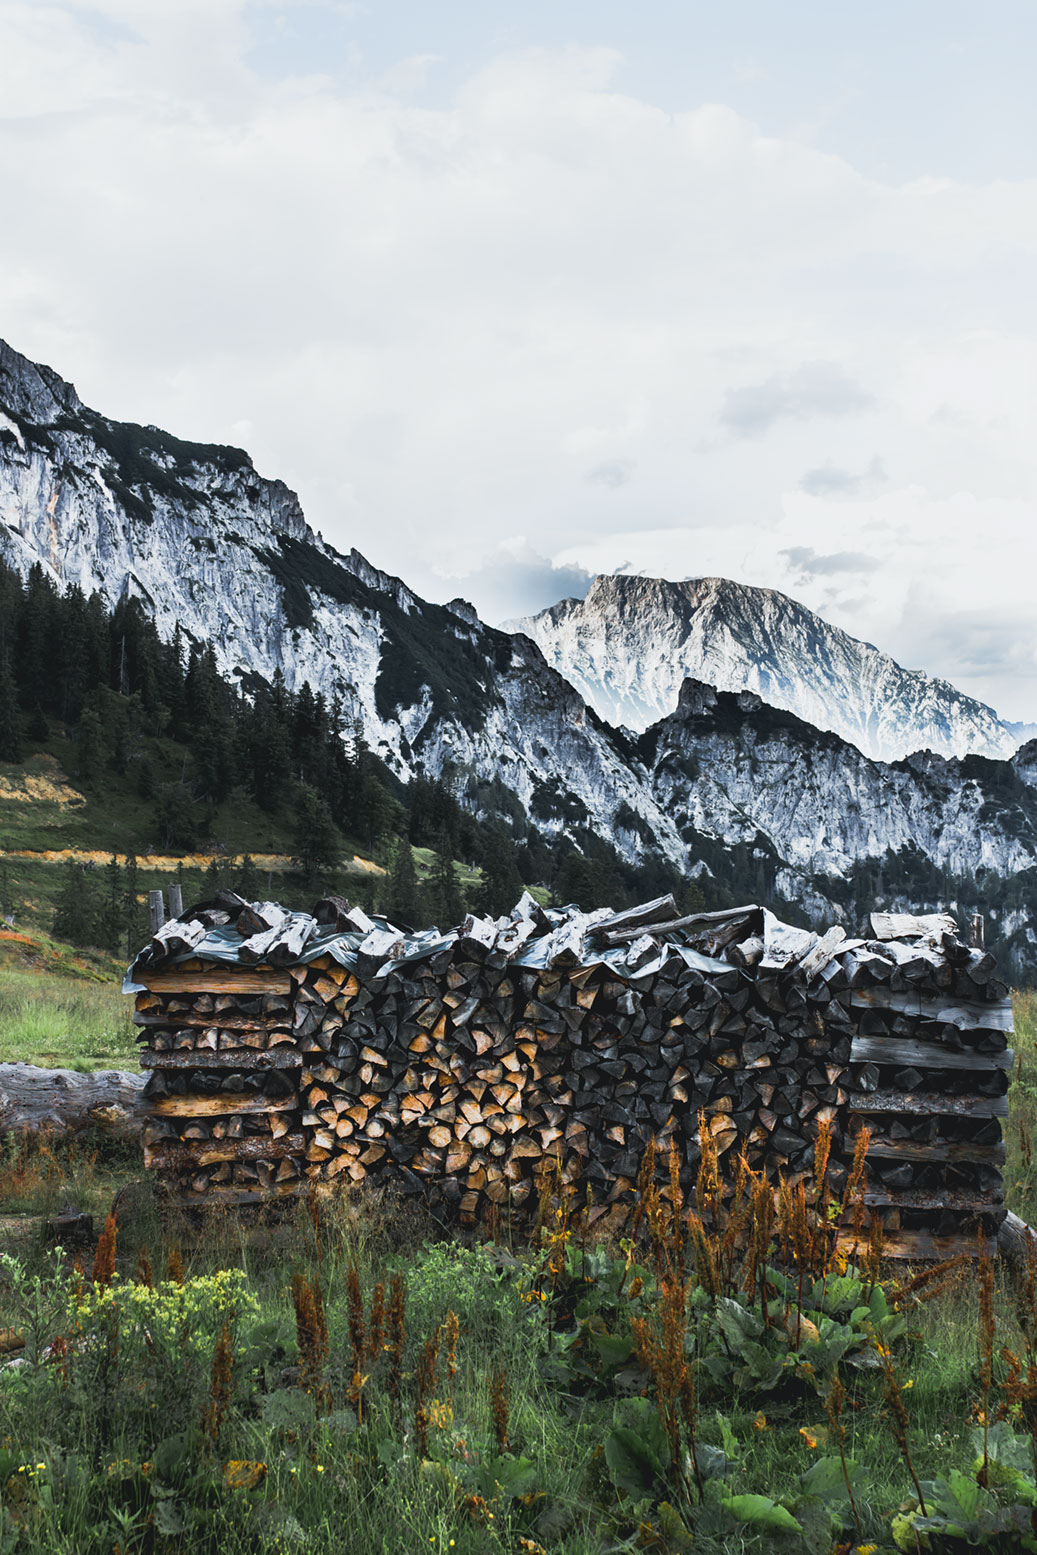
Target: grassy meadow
[[350, 1376]]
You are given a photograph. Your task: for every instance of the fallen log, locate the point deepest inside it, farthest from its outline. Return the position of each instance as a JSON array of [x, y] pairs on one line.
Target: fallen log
[[34, 1100]]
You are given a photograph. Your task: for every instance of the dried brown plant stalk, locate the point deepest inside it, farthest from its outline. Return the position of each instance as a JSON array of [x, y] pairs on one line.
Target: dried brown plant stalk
[[500, 1406], [104, 1257], [396, 1335], [221, 1386], [425, 1377], [834, 1409], [897, 1414], [312, 1335]]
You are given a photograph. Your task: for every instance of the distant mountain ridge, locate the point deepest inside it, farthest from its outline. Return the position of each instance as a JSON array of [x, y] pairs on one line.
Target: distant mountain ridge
[[767, 804], [628, 647]]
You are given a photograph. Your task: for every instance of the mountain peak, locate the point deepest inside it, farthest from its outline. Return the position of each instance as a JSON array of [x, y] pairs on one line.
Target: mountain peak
[[629, 645]]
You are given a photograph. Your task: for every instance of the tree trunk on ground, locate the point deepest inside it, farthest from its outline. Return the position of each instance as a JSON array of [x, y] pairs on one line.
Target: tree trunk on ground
[[61, 1100]]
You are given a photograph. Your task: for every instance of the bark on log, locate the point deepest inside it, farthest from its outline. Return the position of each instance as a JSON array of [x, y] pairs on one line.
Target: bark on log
[[34, 1099]]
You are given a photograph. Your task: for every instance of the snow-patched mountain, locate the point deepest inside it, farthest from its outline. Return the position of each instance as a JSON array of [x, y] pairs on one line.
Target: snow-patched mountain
[[772, 807], [208, 545], [631, 643]]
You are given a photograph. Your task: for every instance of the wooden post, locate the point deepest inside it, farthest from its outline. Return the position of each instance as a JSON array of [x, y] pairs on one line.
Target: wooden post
[[157, 909], [976, 931], [176, 899]]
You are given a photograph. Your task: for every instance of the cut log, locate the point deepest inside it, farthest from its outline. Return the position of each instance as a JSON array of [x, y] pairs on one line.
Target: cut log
[[36, 1100]]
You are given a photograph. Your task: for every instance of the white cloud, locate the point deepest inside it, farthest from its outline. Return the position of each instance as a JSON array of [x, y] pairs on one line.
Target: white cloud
[[530, 312]]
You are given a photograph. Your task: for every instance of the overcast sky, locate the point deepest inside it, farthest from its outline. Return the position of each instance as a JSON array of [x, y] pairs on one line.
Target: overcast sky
[[513, 292]]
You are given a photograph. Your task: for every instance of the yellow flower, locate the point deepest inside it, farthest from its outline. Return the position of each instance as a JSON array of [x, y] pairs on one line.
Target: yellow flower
[[240, 1474], [810, 1440], [760, 1423]]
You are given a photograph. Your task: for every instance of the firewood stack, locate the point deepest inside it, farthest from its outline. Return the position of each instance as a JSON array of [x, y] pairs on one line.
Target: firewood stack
[[460, 1066], [930, 1072]]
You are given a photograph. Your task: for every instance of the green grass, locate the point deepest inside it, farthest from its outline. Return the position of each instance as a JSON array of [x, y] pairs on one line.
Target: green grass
[[61, 1022]]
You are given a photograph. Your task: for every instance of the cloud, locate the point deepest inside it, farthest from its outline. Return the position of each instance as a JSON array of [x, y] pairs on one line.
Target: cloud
[[530, 303], [515, 580], [829, 481], [814, 389], [805, 561], [615, 472]]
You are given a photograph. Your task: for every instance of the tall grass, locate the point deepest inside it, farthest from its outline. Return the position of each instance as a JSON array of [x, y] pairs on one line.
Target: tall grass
[[64, 1022]]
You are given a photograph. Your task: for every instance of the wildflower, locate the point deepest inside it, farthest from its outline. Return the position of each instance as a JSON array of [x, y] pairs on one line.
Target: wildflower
[[239, 1474], [808, 1437], [760, 1423]]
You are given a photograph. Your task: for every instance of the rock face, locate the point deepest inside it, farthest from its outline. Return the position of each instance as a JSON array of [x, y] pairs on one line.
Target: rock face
[[726, 782], [814, 821], [210, 546], [631, 643]]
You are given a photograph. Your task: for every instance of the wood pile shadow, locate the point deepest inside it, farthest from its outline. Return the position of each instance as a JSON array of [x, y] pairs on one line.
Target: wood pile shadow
[[287, 1050]]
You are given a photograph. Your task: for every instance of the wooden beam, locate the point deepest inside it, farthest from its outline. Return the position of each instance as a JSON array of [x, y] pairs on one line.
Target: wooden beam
[[905, 1054], [940, 1150], [216, 982], [190, 1153], [934, 1198], [225, 1058], [223, 1022], [966, 1014], [924, 1106], [917, 1244], [218, 1194], [223, 1105]]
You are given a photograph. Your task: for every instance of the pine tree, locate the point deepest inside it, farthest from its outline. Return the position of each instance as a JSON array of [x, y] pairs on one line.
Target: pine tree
[[110, 910], [133, 910], [501, 882], [317, 845], [247, 880], [213, 878], [443, 888], [403, 905], [91, 749], [10, 723], [75, 915]]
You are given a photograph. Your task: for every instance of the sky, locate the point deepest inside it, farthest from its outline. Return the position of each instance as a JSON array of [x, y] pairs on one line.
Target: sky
[[514, 293]]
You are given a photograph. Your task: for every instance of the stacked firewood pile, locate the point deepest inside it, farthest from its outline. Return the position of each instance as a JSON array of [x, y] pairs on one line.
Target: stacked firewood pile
[[930, 1071], [461, 1066]]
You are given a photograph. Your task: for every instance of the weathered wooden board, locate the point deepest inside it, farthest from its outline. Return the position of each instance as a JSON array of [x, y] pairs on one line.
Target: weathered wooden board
[[225, 1058], [254, 981], [919, 1244], [966, 1014], [939, 1150], [928, 1106], [907, 1054], [933, 1198], [222, 1105], [206, 1152]]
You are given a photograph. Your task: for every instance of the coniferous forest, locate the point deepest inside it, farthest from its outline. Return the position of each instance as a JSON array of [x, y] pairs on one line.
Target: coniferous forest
[[129, 713]]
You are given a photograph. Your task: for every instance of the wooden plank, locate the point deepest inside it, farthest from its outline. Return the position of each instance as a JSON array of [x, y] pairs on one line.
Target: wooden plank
[[916, 1244], [905, 1054], [225, 1058], [190, 1153], [223, 1105], [222, 1022], [966, 1014], [217, 1194], [923, 1106], [939, 1150], [216, 982], [933, 1198]]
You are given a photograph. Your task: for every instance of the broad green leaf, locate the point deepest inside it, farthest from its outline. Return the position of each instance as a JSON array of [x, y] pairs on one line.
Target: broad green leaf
[[760, 1512]]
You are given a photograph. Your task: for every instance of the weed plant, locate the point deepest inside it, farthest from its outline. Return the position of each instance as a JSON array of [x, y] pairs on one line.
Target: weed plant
[[736, 1372]]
